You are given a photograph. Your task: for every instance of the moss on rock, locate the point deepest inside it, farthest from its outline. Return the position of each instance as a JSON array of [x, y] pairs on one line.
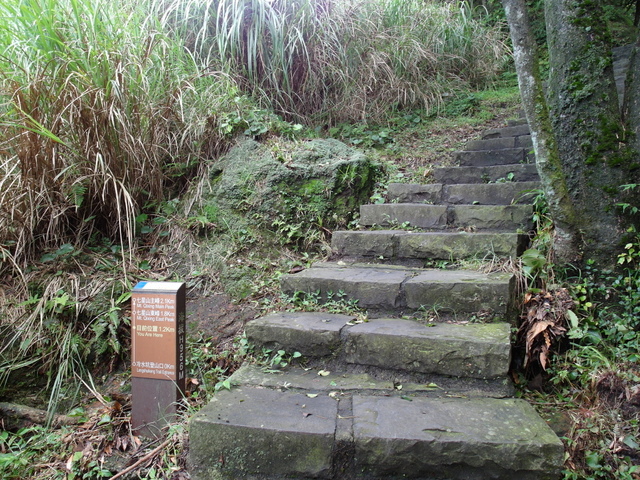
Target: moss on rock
[[291, 188]]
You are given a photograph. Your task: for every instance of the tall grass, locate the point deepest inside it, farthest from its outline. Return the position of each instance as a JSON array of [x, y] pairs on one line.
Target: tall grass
[[99, 107], [348, 60], [102, 112]]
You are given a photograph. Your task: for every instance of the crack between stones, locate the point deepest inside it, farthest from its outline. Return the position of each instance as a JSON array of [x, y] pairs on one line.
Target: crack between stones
[[343, 454]]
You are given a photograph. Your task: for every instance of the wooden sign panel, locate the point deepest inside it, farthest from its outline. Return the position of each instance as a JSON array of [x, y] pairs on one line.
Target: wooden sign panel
[[158, 334]]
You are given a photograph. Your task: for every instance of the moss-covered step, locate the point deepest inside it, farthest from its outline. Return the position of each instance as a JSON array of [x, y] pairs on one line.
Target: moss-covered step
[[318, 378], [438, 217], [505, 193], [392, 245], [255, 432], [388, 288], [517, 121], [454, 439], [461, 350], [525, 172], [478, 158], [500, 143], [506, 132], [248, 431]]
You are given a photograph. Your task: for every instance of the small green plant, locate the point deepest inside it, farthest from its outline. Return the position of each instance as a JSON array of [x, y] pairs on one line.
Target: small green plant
[[275, 360], [20, 452], [332, 302]]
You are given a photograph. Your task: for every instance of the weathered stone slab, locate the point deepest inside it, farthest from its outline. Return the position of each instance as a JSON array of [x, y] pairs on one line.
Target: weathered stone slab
[[516, 122], [314, 334], [459, 245], [524, 141], [397, 244], [515, 131], [415, 215], [494, 217], [491, 217], [377, 288], [387, 288], [473, 350], [499, 143], [260, 431], [490, 193], [493, 157], [526, 172], [460, 291], [456, 439], [308, 381], [365, 243], [414, 193]]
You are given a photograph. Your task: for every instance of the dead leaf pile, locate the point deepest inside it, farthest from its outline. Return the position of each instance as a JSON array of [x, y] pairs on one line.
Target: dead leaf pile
[[543, 325]]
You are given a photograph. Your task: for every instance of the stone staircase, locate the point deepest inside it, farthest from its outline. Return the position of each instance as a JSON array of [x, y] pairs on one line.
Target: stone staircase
[[420, 390]]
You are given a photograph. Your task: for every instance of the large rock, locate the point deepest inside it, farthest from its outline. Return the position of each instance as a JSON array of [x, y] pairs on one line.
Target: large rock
[[290, 184]]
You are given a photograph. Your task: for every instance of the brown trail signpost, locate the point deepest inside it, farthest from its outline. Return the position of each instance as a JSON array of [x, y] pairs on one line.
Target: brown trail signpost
[[158, 334]]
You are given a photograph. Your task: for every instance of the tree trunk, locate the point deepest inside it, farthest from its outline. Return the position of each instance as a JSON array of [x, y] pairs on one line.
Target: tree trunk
[[586, 119], [548, 161]]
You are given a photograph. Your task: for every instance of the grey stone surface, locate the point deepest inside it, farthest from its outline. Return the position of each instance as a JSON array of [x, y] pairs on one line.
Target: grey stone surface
[[309, 380], [509, 217], [482, 217], [459, 245], [524, 141], [503, 193], [516, 122], [499, 143], [515, 131], [460, 291], [472, 350], [454, 439], [526, 172], [490, 193], [492, 157], [377, 288], [385, 288], [367, 243], [345, 379], [414, 193], [416, 215], [398, 244], [260, 431], [313, 334]]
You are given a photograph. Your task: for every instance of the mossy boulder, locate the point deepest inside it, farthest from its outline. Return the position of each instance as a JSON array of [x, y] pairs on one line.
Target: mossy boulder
[[290, 187]]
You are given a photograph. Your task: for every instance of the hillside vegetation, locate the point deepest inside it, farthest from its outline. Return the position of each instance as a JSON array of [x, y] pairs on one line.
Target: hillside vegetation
[[114, 114]]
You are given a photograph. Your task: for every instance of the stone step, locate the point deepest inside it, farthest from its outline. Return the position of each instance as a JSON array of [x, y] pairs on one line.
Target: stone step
[[500, 143], [321, 378], [499, 173], [398, 244], [398, 289], [481, 158], [478, 350], [438, 217], [516, 122], [470, 194], [256, 432], [515, 131]]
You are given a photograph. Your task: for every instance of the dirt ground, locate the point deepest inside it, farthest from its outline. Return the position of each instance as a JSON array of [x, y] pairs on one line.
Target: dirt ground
[[217, 317]]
